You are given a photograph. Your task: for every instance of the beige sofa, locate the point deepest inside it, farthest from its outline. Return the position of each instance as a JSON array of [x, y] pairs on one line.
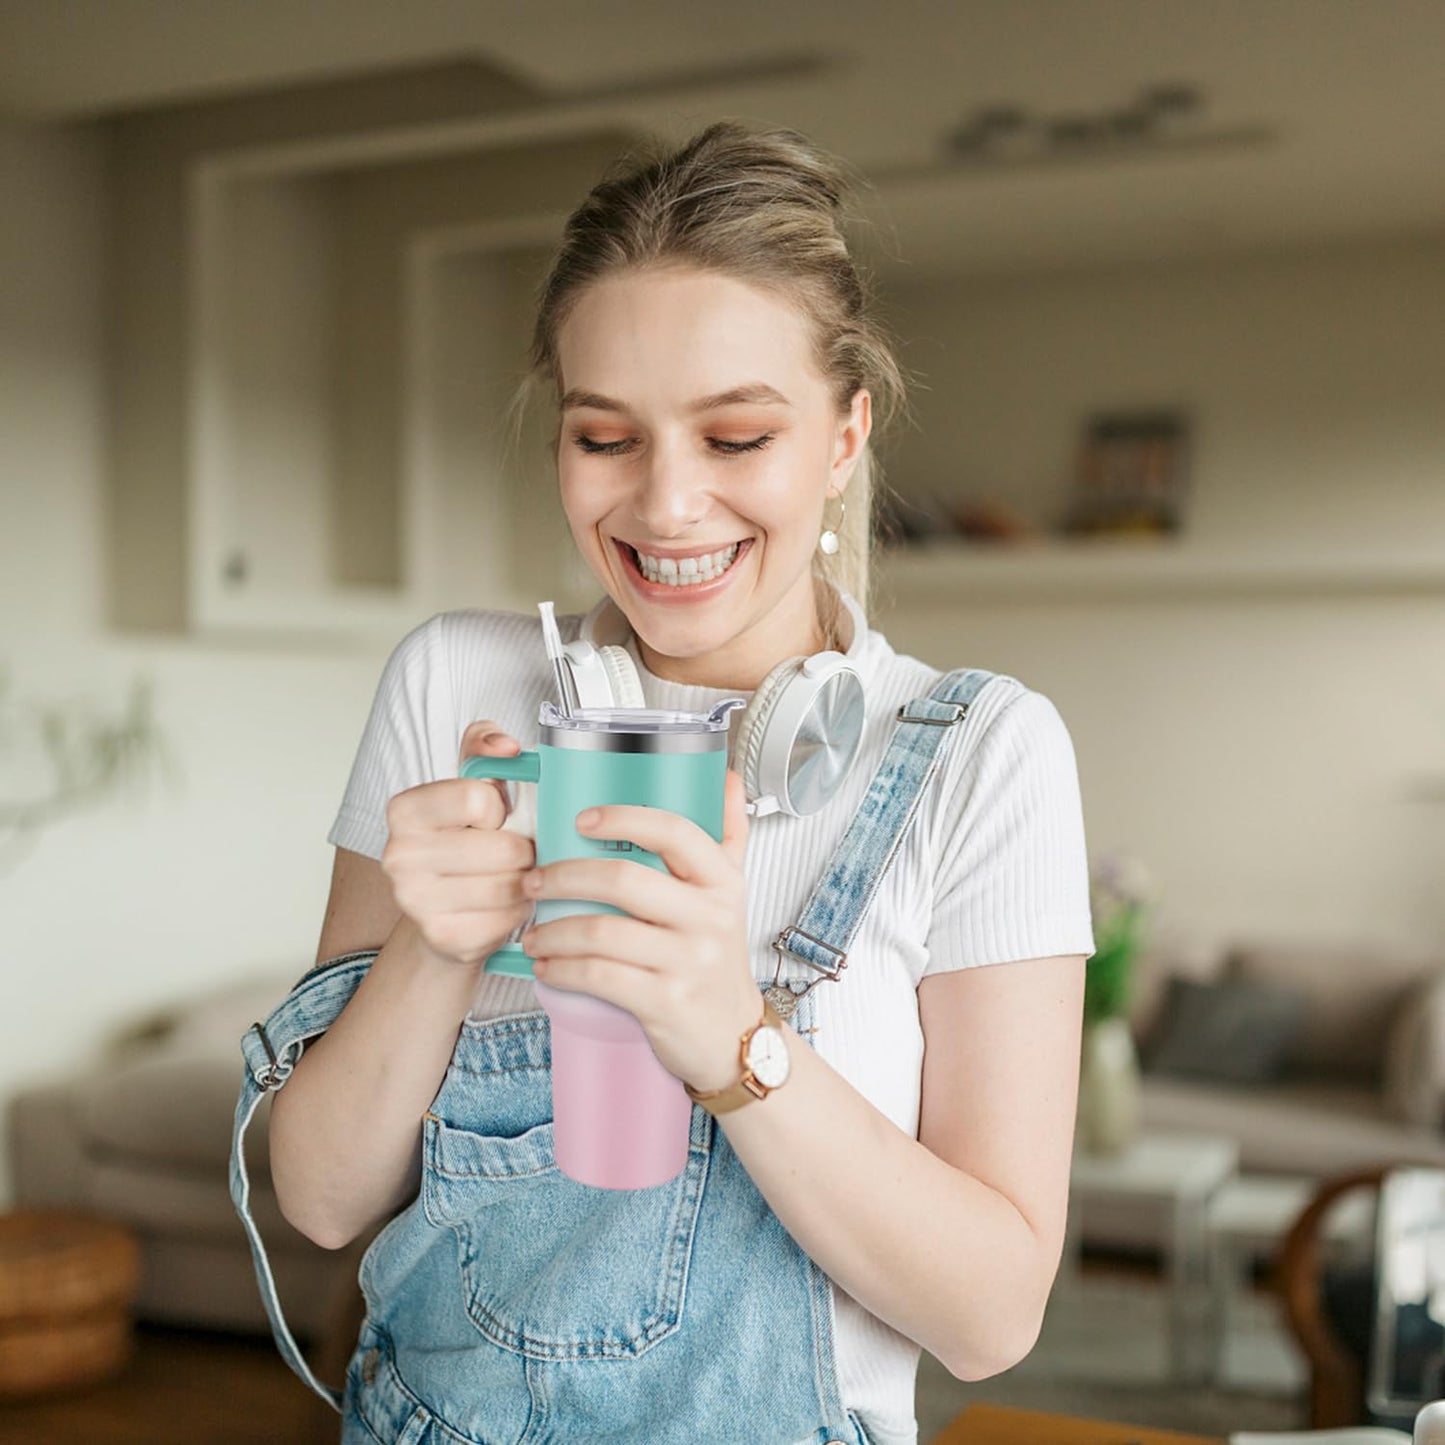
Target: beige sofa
[[146, 1136], [1363, 1082]]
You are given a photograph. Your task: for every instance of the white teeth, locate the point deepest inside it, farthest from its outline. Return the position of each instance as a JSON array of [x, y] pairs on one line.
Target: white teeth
[[689, 571]]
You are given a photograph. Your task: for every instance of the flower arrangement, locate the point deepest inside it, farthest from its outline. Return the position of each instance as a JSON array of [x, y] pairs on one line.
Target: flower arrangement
[[1120, 892]]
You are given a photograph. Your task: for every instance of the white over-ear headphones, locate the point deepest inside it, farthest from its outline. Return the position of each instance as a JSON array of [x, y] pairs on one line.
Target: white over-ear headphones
[[797, 738]]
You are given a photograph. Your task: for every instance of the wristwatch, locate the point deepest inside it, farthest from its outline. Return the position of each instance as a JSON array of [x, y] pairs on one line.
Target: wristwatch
[[765, 1065]]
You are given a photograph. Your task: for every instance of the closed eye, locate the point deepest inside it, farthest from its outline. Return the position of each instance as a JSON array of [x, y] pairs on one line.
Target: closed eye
[[733, 448], [723, 448]]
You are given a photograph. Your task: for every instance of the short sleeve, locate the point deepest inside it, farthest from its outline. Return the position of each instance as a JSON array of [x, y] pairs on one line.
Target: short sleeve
[[1012, 870], [410, 717]]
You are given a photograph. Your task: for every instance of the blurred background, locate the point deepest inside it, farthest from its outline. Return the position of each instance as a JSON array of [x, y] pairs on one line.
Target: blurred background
[[1169, 277]]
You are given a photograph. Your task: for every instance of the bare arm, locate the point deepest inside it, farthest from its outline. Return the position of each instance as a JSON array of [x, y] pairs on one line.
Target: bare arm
[[952, 1238], [345, 1132]]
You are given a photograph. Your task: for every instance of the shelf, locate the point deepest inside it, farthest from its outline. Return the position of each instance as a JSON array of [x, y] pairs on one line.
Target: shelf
[[1058, 567]]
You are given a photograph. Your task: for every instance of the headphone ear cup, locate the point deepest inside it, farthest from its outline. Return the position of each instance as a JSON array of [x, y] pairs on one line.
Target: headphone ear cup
[[755, 724], [622, 675]]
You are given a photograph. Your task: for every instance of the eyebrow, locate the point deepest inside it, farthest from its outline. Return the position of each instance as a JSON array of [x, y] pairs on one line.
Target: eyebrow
[[754, 392]]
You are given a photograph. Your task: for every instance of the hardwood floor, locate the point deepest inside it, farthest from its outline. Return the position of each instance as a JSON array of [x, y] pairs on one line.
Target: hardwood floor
[[203, 1388], [181, 1388]]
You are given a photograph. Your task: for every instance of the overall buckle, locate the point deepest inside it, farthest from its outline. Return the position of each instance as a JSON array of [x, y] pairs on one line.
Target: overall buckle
[[278, 1071], [960, 711], [781, 944]]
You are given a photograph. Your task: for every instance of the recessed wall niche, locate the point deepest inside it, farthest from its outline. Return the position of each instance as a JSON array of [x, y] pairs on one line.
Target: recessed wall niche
[[323, 450]]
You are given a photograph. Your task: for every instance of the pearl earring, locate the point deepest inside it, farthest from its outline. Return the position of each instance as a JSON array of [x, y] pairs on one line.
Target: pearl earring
[[828, 542]]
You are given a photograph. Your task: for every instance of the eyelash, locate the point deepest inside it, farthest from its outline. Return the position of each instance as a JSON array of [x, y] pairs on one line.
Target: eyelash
[[727, 449]]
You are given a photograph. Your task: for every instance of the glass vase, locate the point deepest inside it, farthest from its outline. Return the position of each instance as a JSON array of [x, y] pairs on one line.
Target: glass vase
[[1108, 1118]]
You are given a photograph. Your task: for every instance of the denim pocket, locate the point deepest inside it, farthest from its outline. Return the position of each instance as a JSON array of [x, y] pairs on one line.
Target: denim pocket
[[556, 1269]]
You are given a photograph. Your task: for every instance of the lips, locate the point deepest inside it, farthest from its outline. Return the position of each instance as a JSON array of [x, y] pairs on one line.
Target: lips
[[697, 591]]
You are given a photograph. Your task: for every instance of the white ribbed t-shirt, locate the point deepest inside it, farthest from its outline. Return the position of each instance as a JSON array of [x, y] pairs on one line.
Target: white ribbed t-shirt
[[994, 868]]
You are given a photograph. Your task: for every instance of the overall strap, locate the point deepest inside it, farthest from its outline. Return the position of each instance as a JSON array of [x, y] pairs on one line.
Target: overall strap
[[271, 1051], [821, 937]]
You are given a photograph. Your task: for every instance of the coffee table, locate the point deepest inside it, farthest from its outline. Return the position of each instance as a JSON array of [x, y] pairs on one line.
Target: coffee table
[[1248, 1217], [1175, 1175]]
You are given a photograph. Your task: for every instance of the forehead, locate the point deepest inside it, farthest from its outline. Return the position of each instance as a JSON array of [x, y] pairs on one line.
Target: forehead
[[666, 337]]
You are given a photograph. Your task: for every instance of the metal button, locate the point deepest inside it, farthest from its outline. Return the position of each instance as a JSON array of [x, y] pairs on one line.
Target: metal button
[[368, 1365]]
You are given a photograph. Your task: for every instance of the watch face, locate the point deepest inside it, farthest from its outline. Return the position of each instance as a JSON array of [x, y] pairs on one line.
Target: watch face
[[768, 1056]]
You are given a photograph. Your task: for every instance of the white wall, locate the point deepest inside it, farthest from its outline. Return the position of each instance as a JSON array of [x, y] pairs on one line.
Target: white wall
[[1261, 755], [131, 905]]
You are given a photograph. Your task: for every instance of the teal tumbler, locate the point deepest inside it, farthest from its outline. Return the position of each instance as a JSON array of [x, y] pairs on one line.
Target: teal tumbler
[[621, 1120]]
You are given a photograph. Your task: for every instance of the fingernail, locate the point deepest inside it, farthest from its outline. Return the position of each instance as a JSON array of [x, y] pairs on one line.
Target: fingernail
[[587, 817]]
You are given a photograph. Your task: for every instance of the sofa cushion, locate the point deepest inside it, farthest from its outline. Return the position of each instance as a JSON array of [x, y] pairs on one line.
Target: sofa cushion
[[172, 1109], [1413, 1088], [1294, 1127], [214, 1021], [1354, 994], [1168, 953], [1231, 1030]]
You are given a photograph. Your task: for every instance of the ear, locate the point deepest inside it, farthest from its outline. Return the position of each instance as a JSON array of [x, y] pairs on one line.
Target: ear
[[851, 438]]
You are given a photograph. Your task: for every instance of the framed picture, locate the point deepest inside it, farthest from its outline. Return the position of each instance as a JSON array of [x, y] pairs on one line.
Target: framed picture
[[1131, 476]]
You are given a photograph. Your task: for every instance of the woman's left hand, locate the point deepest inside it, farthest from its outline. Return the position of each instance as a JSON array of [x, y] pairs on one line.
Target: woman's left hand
[[679, 962]]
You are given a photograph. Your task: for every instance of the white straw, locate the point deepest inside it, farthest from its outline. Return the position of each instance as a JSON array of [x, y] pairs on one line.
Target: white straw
[[566, 696]]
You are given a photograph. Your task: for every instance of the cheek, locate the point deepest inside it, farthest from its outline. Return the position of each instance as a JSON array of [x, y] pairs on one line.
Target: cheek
[[784, 500], [579, 502]]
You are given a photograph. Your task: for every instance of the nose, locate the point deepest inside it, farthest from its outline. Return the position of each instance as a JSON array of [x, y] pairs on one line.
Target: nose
[[672, 497]]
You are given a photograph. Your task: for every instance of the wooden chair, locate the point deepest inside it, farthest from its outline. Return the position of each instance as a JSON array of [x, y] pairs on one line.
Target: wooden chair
[[1297, 1278], [1336, 1375]]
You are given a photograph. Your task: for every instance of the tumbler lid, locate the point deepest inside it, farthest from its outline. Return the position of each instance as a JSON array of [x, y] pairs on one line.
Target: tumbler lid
[[640, 719]]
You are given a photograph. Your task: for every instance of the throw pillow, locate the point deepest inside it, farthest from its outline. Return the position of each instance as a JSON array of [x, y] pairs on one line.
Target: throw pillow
[[1229, 1031], [1354, 990], [1413, 1086]]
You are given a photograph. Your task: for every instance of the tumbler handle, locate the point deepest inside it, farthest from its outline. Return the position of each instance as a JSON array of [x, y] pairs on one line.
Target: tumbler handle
[[510, 958], [521, 769]]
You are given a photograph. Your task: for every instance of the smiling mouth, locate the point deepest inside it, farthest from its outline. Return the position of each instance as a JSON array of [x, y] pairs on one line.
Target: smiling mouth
[[684, 573]]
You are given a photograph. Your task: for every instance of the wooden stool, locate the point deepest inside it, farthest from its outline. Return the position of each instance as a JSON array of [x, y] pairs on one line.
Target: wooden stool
[[66, 1284]]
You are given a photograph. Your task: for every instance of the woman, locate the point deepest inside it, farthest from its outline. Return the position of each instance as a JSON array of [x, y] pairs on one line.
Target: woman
[[707, 340]]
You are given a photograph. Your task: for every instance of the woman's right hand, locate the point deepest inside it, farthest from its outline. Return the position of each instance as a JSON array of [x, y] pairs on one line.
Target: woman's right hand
[[454, 871]]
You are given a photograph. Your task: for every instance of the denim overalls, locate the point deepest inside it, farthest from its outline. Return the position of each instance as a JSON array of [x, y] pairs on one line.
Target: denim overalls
[[510, 1305]]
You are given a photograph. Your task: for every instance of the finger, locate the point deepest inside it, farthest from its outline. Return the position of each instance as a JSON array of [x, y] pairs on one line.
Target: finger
[[461, 894], [613, 980], [735, 819], [486, 739], [646, 893], [447, 803], [469, 851], [689, 852], [608, 936]]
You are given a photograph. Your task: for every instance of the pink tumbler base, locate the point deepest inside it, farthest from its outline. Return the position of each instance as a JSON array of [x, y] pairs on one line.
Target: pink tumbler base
[[621, 1120]]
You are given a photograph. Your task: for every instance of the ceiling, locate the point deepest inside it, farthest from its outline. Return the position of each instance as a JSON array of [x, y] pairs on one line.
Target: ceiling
[[1322, 121]]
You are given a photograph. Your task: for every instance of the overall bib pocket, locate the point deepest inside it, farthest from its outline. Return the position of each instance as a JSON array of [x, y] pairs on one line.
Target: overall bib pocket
[[555, 1269]]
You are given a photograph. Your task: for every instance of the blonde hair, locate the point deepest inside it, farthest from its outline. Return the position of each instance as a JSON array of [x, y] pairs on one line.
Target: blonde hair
[[762, 206]]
